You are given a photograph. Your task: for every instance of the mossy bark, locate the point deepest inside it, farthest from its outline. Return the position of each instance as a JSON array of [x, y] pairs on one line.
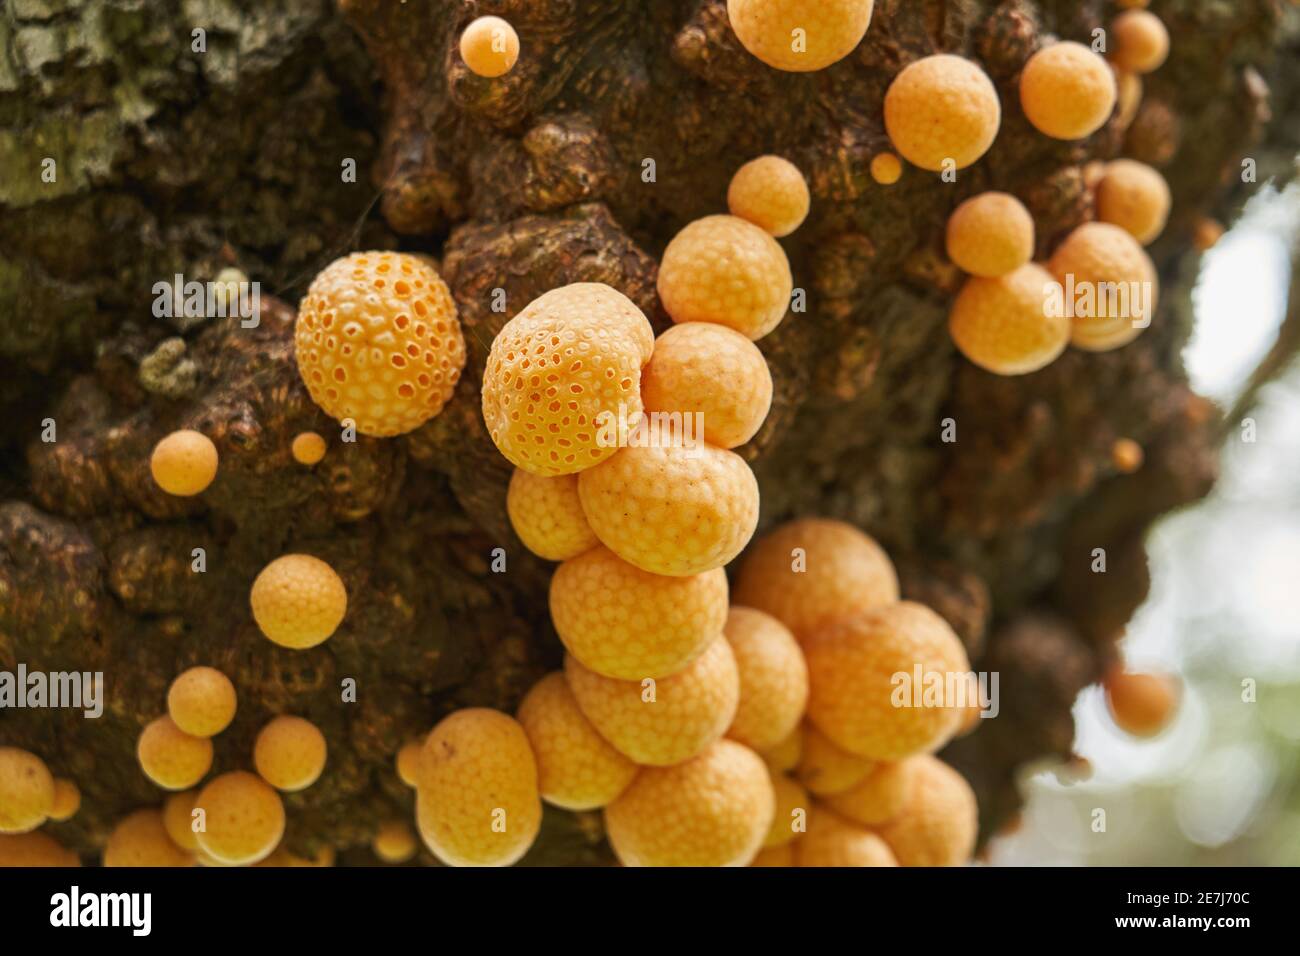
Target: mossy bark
[[174, 161]]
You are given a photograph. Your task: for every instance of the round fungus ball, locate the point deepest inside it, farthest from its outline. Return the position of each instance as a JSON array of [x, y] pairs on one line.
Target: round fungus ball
[[395, 842], [851, 668], [878, 797], [547, 515], [562, 374], [939, 821], [798, 36], [670, 508], [1134, 197], [1067, 91], [714, 373], [1141, 704], [812, 571], [489, 46], [26, 790], [378, 342], [886, 168], [308, 448], [576, 768], [1126, 455], [171, 758], [243, 819], [784, 757], [1109, 284], [990, 235], [184, 463], [289, 753], [942, 111], [67, 800], [478, 803], [140, 839], [728, 271], [714, 809], [408, 762], [1007, 325], [771, 193], [178, 819], [1140, 42], [201, 701], [825, 768], [661, 722], [833, 841], [773, 679], [34, 849], [298, 601], [629, 624]]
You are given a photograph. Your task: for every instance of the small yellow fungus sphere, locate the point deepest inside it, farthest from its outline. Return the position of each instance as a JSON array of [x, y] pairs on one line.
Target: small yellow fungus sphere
[[1005, 325], [629, 624], [810, 572], [942, 112], [784, 757], [666, 721], [1067, 91], [202, 701], [771, 193], [378, 341], [1129, 98], [939, 821], [289, 753], [1207, 233], [712, 810], [709, 370], [792, 809], [489, 46], [1141, 704], [140, 839], [395, 842], [171, 758], [773, 679], [560, 376], [1140, 41], [1126, 455], [34, 849], [243, 819], [798, 36], [408, 762], [1114, 282], [1135, 197], [878, 797], [851, 669], [775, 856], [886, 168], [990, 235], [576, 768], [298, 601], [478, 803], [67, 800], [547, 515], [184, 463], [832, 841], [726, 270], [672, 509], [308, 448], [26, 790], [178, 819], [827, 769]]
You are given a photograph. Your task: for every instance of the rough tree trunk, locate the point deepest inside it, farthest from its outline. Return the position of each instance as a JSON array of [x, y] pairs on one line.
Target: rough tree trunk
[[171, 161]]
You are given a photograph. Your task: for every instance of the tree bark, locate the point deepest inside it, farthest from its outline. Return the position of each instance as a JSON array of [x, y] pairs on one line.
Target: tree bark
[[175, 161]]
